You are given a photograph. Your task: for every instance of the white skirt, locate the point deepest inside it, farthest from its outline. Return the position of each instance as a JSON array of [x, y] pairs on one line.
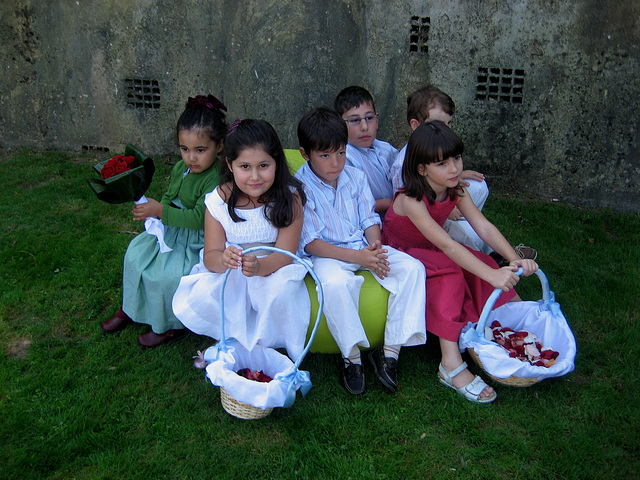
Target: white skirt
[[273, 311]]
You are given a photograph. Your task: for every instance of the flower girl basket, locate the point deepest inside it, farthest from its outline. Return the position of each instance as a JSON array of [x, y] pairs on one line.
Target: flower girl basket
[[543, 318], [249, 399]]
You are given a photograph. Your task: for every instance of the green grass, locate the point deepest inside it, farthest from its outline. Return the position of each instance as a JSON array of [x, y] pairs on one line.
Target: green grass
[[76, 403]]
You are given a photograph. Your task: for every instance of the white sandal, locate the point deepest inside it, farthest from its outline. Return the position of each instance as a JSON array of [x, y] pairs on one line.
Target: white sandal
[[472, 390]]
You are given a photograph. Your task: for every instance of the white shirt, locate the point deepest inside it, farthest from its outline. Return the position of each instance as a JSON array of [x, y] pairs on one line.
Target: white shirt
[[337, 215]]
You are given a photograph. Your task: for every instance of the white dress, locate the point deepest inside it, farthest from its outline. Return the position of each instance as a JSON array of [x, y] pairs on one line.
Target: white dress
[[273, 310]]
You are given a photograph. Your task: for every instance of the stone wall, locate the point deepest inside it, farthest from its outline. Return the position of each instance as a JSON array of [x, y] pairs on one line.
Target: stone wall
[[91, 76]]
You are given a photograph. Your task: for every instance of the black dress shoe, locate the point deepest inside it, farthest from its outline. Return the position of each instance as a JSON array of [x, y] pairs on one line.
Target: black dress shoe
[[353, 378], [386, 368], [116, 323], [152, 339]]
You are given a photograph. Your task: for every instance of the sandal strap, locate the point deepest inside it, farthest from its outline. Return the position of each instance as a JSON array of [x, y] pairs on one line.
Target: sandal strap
[[476, 386], [453, 372]]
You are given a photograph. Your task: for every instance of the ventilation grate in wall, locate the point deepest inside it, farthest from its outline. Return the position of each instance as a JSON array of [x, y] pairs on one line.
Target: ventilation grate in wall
[[142, 93], [94, 148], [500, 84], [419, 34]]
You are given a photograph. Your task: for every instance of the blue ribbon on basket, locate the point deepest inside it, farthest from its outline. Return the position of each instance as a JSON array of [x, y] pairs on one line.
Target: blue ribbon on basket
[[212, 353], [295, 379]]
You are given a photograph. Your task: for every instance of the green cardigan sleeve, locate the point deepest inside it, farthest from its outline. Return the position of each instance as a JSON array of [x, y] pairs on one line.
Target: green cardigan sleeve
[[190, 189]]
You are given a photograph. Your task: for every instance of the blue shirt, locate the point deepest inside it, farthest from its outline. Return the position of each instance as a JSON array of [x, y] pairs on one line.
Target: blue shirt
[[376, 162], [338, 216], [396, 169]]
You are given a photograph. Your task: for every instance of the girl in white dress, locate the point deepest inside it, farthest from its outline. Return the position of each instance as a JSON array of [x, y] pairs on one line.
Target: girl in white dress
[[258, 203]]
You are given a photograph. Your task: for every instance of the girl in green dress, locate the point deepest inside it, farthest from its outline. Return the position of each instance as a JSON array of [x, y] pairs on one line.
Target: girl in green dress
[[150, 277]]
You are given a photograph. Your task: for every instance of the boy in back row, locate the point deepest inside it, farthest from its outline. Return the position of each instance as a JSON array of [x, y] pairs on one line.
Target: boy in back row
[[365, 151], [430, 103], [341, 233]]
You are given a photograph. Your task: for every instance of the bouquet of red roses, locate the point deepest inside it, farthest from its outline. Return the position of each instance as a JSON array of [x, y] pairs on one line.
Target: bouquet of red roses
[[123, 178]]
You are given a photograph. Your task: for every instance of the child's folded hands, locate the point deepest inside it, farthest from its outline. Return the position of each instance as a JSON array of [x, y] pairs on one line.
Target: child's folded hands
[[374, 258], [250, 265]]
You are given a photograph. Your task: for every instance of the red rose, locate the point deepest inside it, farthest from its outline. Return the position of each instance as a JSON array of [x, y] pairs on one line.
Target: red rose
[[107, 171], [121, 167]]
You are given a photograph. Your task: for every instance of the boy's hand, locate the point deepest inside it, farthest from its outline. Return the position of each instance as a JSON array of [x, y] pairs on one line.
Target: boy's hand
[[529, 266], [455, 214], [232, 257], [374, 258], [471, 175], [250, 265], [152, 208], [504, 278]]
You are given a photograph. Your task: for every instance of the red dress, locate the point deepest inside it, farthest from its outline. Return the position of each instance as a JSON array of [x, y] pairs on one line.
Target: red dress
[[454, 296]]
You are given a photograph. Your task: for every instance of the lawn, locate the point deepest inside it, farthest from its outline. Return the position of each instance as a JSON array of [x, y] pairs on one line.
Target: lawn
[[76, 403]]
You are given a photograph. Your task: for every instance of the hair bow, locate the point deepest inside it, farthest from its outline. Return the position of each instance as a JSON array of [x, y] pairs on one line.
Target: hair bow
[[233, 126], [210, 102]]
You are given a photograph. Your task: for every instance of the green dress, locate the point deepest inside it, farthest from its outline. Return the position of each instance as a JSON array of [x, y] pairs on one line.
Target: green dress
[[150, 278]]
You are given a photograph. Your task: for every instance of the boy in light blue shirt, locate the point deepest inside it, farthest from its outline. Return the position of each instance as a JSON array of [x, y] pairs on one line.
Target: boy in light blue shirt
[[341, 233], [364, 151]]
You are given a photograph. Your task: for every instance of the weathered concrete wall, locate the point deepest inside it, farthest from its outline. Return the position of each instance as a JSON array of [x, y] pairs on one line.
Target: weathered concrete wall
[[563, 123]]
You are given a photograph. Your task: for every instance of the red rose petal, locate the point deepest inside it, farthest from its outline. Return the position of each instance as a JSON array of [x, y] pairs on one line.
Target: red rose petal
[[255, 375]]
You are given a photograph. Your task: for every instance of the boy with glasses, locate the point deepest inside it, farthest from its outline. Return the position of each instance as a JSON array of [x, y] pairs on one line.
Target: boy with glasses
[[364, 151]]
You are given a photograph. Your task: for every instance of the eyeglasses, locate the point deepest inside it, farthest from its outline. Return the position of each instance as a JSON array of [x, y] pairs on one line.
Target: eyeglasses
[[354, 122]]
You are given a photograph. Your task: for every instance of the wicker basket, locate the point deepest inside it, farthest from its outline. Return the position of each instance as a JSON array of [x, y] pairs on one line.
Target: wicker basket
[[509, 381], [544, 311], [239, 409], [244, 410]]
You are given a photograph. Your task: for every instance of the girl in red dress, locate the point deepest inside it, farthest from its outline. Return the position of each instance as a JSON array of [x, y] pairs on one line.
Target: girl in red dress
[[459, 280]]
